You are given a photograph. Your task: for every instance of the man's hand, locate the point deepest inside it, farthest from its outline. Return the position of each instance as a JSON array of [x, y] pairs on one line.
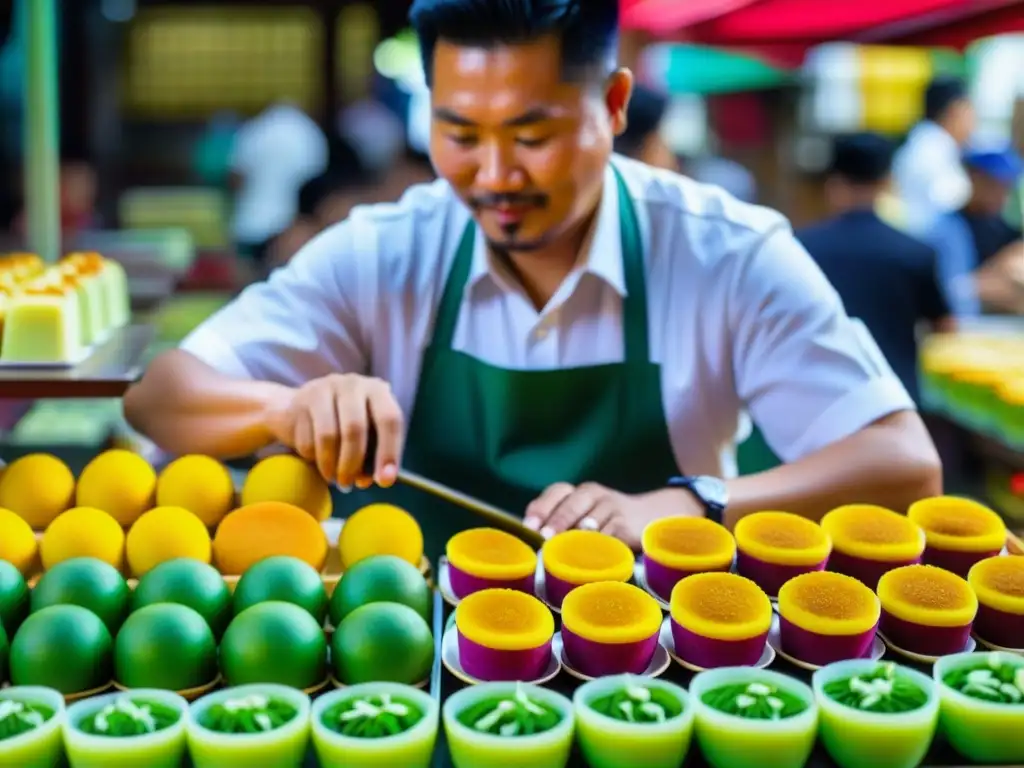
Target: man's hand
[[595, 508], [328, 422]]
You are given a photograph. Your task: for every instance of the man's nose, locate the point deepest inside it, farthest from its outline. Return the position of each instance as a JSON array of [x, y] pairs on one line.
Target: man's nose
[[499, 170]]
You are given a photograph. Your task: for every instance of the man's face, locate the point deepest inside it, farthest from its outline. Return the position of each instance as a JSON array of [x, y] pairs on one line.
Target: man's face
[[989, 194], [961, 121], [521, 146]]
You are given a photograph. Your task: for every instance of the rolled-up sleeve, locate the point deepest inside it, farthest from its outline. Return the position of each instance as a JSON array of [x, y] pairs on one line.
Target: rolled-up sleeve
[[808, 374], [303, 323]]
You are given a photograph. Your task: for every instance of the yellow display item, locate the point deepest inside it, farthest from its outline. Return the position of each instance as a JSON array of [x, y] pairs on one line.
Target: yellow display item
[[38, 487], [119, 482], [166, 533], [254, 532], [18, 545], [200, 484], [83, 532], [291, 480], [380, 529]]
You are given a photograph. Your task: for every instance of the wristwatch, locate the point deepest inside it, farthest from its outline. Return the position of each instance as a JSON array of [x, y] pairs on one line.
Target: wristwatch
[[711, 492]]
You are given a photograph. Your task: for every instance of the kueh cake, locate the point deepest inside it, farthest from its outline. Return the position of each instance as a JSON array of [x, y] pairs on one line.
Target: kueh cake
[[580, 557], [867, 541], [610, 628], [998, 583], [826, 617], [677, 547], [487, 558], [773, 547], [926, 610], [504, 634], [959, 532], [719, 620]]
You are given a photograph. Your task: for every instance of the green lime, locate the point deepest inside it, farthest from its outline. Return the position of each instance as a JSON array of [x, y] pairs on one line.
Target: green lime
[[89, 583], [284, 579], [14, 597], [188, 582], [380, 579], [5, 652], [274, 642], [165, 646], [382, 642], [64, 647]]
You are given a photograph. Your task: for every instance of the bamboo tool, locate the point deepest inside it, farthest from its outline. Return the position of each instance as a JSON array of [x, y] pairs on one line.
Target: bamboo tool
[[42, 129], [510, 522]]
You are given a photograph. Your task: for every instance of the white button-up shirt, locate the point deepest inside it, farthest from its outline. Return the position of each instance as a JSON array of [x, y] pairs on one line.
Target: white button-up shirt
[[741, 319], [929, 176]]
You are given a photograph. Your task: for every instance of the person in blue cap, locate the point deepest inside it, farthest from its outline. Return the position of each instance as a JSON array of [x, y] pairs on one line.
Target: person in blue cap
[[978, 250]]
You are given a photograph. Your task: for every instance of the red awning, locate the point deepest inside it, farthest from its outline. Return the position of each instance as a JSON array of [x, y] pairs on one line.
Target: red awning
[[961, 34], [757, 22]]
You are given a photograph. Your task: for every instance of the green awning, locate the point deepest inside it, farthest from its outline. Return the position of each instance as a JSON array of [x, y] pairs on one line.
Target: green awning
[[695, 69]]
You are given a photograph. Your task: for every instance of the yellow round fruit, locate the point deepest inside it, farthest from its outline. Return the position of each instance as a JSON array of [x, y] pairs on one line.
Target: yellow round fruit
[[200, 484], [37, 487], [290, 480], [380, 529], [18, 545], [83, 532], [166, 533], [120, 483]]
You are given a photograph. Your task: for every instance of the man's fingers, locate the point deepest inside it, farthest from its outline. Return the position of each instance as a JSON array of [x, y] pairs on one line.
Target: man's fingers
[[305, 441], [574, 508], [390, 428], [601, 516], [324, 418], [352, 429], [541, 508]]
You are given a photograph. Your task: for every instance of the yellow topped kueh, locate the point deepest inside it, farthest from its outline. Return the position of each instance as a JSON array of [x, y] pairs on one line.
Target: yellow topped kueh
[[721, 606], [829, 603], [928, 596], [998, 582], [489, 553], [611, 612], [959, 525], [504, 620], [689, 544], [782, 538], [582, 557], [874, 533]]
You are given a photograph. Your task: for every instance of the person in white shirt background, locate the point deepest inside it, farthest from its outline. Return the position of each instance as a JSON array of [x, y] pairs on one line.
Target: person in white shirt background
[[565, 333], [274, 154], [930, 180]]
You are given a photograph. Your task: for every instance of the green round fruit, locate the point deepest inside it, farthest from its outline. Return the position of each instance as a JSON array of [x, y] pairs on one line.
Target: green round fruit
[[5, 651], [86, 582], [14, 597], [282, 579], [165, 646], [384, 642], [380, 579], [64, 647], [191, 583], [274, 642]]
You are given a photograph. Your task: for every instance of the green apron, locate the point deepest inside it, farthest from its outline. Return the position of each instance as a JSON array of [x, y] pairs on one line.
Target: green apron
[[505, 435]]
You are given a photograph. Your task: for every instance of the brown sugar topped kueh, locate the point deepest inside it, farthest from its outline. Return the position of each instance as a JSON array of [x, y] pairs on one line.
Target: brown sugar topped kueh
[[998, 583], [488, 558], [868, 540], [774, 547], [576, 557], [926, 610], [959, 532], [677, 547]]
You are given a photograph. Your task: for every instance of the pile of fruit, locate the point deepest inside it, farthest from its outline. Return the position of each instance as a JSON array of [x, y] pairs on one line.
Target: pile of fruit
[[82, 627], [121, 511]]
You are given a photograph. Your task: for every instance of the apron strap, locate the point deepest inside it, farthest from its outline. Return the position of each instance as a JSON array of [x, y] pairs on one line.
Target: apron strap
[[634, 306]]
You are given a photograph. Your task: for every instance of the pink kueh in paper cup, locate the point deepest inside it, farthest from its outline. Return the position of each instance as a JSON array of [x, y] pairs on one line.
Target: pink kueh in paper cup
[[720, 620], [773, 547], [999, 584], [610, 628], [503, 635], [677, 547], [488, 558], [926, 610], [868, 541], [959, 532], [580, 557]]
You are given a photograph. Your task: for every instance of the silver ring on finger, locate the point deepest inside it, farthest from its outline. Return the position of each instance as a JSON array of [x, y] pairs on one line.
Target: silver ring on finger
[[589, 524]]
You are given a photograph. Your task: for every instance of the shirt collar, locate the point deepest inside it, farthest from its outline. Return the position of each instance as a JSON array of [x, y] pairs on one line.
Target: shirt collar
[[601, 252]]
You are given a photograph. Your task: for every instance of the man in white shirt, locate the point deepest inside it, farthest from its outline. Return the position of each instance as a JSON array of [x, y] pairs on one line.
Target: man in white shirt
[[929, 177], [568, 335], [274, 154]]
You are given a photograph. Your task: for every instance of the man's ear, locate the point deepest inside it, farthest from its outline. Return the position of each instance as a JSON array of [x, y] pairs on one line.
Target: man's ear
[[617, 94]]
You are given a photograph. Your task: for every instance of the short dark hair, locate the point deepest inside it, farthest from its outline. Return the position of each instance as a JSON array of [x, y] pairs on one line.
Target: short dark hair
[[862, 158], [588, 29], [644, 115], [941, 94]]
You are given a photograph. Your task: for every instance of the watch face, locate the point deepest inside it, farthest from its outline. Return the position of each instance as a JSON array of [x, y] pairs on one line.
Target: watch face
[[712, 490]]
